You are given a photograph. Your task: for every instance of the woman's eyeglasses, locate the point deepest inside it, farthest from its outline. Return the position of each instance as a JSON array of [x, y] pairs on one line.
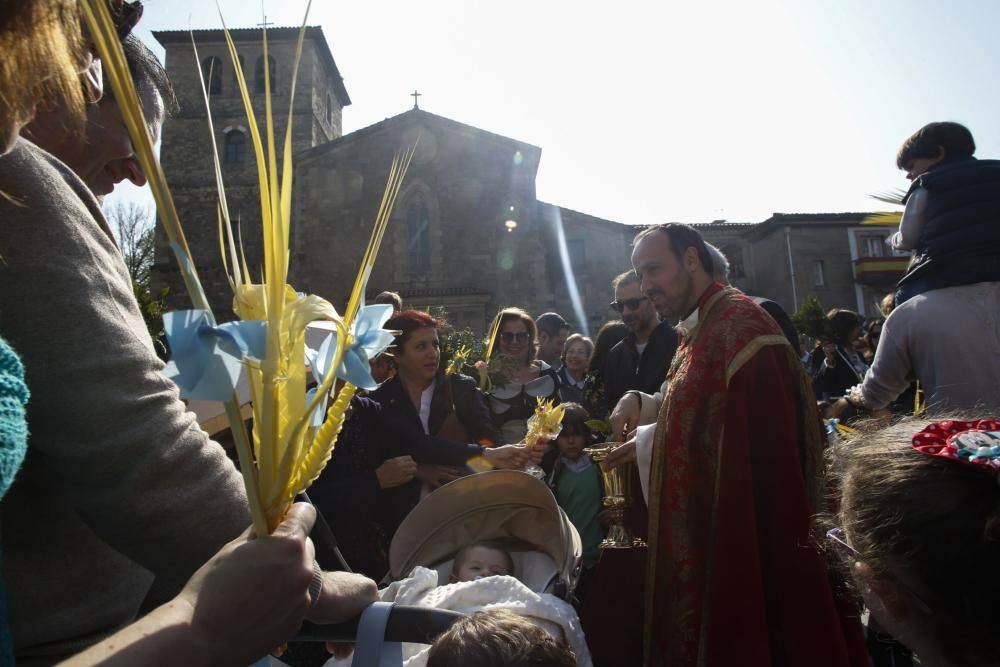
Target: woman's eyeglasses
[[631, 304], [510, 337]]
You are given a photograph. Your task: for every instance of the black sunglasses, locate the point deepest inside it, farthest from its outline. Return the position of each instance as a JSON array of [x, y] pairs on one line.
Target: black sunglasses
[[510, 337], [631, 304]]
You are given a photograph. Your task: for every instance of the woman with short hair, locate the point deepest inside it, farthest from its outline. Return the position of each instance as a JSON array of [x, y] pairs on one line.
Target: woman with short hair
[[573, 372]]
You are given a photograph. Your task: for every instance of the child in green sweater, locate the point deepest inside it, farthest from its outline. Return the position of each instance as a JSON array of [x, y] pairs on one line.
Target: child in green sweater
[[576, 483]]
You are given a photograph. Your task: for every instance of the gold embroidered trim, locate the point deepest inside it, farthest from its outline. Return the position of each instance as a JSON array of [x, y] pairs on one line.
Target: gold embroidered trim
[[750, 349]]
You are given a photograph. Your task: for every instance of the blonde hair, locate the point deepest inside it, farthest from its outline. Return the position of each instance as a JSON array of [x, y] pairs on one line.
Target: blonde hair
[[43, 52]]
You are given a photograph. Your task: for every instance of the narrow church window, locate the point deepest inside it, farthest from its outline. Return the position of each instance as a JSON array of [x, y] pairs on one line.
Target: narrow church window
[[259, 75], [819, 276], [236, 147], [417, 223], [329, 110], [211, 69]]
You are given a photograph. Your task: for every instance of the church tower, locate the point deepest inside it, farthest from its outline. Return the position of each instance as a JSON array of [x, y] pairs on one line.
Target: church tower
[[320, 97]]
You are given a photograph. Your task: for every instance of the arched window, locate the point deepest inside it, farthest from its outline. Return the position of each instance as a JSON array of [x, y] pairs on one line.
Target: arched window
[[329, 110], [235, 150], [259, 74], [211, 69], [419, 249]]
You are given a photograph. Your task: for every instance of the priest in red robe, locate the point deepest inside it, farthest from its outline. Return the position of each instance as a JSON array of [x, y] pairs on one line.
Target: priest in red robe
[[735, 475]]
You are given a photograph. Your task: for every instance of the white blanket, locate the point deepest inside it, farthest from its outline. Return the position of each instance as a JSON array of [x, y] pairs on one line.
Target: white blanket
[[498, 592]]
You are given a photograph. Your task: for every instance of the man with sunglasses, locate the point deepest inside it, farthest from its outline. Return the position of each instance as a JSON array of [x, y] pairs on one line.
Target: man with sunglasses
[[640, 360]]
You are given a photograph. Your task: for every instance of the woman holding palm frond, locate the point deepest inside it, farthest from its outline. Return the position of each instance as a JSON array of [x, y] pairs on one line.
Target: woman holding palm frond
[[514, 402]]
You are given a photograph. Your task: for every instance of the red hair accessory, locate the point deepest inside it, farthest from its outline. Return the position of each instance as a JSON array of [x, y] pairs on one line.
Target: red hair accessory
[[971, 441]]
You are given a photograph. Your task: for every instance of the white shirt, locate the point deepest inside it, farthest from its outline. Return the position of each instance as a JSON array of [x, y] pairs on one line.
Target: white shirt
[[425, 407]]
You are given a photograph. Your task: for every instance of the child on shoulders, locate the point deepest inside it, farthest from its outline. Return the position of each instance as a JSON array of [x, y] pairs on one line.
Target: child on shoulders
[[952, 217]]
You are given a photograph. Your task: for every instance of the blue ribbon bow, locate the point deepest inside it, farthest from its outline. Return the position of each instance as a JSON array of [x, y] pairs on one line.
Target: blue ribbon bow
[[206, 358]]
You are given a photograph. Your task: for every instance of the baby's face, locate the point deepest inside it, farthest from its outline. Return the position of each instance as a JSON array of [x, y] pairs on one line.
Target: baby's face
[[481, 562]]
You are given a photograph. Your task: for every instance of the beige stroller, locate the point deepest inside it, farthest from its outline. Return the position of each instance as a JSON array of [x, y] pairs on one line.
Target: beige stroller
[[508, 506]]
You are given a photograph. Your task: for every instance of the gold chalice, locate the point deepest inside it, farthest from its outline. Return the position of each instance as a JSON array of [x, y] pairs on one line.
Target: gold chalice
[[616, 499]]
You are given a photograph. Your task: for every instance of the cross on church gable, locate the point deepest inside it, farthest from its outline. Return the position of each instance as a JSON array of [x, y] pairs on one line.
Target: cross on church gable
[[265, 23], [415, 95]]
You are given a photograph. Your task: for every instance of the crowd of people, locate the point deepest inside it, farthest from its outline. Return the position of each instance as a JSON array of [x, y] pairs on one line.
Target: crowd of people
[[124, 528]]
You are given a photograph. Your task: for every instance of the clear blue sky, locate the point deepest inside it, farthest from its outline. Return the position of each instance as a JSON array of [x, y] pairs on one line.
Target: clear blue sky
[[667, 111]]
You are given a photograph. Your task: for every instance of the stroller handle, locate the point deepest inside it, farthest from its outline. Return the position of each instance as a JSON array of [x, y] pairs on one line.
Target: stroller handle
[[417, 625]]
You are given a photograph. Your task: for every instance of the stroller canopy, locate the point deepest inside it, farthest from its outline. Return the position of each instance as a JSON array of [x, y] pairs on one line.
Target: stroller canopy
[[506, 505]]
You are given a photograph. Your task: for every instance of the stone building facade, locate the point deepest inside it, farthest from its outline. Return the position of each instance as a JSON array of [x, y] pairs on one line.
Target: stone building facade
[[788, 257], [467, 233]]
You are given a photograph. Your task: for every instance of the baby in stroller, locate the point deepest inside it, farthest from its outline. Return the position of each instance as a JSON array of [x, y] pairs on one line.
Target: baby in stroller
[[495, 540], [481, 559]]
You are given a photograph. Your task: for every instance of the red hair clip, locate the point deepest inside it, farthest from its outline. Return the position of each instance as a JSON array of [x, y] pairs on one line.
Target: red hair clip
[[971, 441]]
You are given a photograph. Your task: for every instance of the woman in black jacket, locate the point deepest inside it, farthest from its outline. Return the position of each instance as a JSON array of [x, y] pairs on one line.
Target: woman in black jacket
[[419, 427]]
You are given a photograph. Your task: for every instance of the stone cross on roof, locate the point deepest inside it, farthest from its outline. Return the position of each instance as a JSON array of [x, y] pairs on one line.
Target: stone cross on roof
[[415, 95]]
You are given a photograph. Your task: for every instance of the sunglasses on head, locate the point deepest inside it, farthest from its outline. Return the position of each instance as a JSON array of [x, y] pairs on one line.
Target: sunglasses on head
[[510, 337], [631, 304]]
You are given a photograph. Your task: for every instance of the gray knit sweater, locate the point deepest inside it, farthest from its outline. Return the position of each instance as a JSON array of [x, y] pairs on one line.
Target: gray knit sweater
[[949, 339], [119, 484]]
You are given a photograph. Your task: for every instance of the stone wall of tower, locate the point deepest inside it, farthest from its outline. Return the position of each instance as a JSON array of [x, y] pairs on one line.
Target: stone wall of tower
[[186, 150]]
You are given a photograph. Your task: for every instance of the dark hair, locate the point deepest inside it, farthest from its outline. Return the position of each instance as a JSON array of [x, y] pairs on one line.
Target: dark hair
[[626, 278], [485, 544], [955, 139], [408, 321], [934, 522], [842, 323], [498, 638], [681, 238], [608, 336], [508, 315], [147, 72], [575, 420], [390, 298], [551, 323]]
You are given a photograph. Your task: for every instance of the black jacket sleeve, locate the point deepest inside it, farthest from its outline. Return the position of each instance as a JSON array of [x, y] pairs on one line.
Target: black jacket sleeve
[[470, 404]]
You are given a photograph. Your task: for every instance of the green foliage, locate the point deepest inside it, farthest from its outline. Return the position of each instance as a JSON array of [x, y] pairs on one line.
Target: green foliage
[[600, 427], [461, 351], [133, 227], [810, 319], [454, 341], [152, 308]]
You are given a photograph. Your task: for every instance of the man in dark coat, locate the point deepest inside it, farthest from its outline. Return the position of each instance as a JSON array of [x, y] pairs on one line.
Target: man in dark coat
[[641, 359]]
